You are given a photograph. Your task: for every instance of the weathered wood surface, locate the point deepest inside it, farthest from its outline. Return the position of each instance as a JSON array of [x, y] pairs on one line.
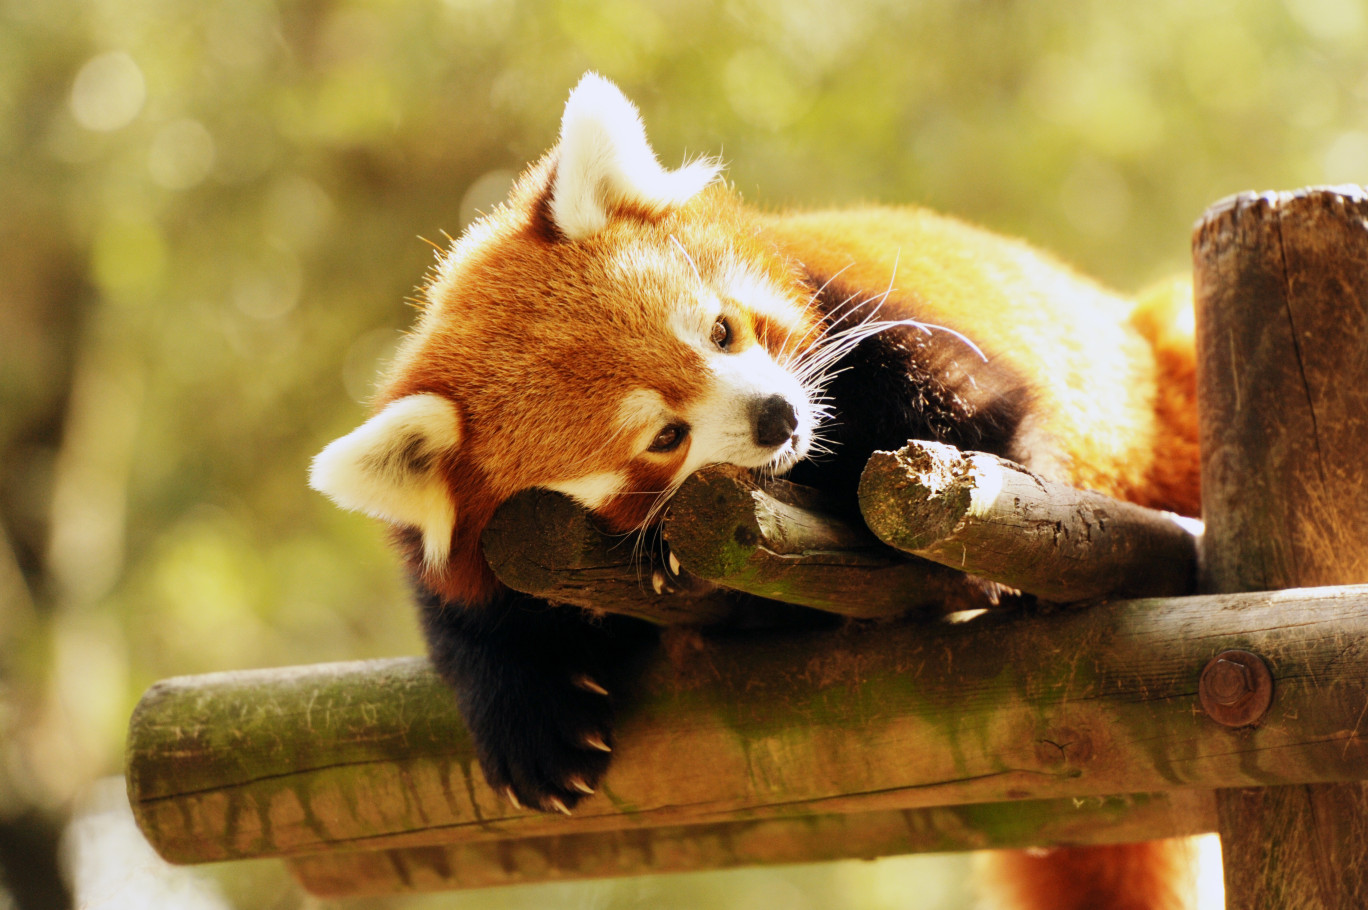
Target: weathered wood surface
[[543, 543], [985, 515], [870, 717], [777, 540], [868, 835], [1282, 318], [726, 529]]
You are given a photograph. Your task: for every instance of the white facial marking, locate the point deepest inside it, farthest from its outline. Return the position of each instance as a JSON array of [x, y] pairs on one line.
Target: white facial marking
[[692, 322], [760, 295], [387, 468], [593, 490], [723, 422], [640, 410]]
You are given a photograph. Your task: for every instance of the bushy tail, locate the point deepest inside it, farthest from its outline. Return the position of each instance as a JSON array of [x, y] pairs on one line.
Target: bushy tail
[[1163, 317], [1158, 875]]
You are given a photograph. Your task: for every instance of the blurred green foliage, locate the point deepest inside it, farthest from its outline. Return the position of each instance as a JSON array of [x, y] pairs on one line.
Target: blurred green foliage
[[210, 214]]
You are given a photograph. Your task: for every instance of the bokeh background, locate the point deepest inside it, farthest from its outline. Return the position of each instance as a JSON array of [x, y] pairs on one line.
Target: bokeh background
[[210, 216]]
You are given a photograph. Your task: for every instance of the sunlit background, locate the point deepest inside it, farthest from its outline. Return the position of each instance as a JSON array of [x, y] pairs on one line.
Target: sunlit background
[[211, 211]]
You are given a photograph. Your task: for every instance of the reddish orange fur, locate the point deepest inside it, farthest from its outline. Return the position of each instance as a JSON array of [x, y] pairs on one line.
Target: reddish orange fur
[[1146, 876], [530, 391], [1121, 432], [515, 441]]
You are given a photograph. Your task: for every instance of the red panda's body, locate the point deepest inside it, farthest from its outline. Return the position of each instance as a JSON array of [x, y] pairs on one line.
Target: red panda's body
[[616, 326]]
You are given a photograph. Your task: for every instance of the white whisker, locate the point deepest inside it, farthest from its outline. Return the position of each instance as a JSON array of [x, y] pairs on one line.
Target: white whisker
[[687, 258]]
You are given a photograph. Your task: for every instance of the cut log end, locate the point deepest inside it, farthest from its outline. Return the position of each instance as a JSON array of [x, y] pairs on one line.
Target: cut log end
[[916, 496]]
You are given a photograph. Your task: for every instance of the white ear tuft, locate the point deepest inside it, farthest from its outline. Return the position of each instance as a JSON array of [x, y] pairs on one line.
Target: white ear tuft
[[605, 160], [388, 468]]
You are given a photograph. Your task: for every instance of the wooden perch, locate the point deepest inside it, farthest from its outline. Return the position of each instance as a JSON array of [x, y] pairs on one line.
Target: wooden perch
[[729, 532], [985, 515], [779, 541], [868, 718], [867, 835], [959, 512]]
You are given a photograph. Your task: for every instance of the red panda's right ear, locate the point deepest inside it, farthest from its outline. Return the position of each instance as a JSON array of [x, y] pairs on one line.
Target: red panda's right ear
[[604, 160], [390, 468]]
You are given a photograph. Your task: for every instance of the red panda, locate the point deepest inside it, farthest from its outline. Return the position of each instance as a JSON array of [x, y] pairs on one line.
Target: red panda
[[615, 326]]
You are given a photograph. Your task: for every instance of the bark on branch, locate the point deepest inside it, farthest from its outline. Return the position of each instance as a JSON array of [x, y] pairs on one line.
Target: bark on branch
[[985, 515], [543, 543], [976, 527], [781, 541]]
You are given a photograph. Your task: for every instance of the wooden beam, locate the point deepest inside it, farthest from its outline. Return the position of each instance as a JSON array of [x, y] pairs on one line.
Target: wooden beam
[[990, 517], [871, 717], [726, 845], [1282, 295]]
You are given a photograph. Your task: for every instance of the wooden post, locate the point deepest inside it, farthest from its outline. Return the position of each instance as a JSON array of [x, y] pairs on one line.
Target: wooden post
[[1282, 336]]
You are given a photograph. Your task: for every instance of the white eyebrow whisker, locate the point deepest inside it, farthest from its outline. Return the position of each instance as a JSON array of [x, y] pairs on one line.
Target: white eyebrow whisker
[[687, 258]]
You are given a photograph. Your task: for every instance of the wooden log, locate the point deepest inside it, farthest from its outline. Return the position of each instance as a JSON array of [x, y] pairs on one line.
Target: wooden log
[[986, 515], [1282, 318], [775, 540], [779, 541], [543, 543], [870, 717], [868, 835]]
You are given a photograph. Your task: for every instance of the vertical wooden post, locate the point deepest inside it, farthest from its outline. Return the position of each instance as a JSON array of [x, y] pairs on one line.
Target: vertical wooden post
[[1282, 346]]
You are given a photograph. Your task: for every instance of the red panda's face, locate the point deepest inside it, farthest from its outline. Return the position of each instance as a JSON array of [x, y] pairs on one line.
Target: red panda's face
[[608, 332], [611, 367]]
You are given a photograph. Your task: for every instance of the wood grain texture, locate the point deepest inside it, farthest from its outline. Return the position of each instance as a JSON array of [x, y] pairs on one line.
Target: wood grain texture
[[868, 835], [871, 717], [1282, 310], [543, 543], [780, 541]]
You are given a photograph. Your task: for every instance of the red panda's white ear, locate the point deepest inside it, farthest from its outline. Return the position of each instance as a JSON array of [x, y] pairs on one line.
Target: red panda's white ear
[[605, 160], [389, 468]]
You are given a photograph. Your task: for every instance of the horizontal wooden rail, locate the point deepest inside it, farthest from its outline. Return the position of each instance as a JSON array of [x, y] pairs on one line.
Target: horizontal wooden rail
[[869, 718]]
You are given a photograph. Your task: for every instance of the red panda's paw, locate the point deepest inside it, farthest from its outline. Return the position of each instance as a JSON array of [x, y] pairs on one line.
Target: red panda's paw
[[536, 686], [544, 743]]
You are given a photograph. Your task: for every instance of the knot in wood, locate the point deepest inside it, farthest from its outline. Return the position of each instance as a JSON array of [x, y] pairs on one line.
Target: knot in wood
[[1064, 749], [1236, 688]]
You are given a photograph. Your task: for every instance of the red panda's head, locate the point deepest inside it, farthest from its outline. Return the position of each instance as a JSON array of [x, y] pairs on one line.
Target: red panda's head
[[609, 330]]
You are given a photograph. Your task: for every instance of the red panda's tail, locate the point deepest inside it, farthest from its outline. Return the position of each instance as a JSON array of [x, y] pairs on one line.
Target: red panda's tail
[[1158, 875]]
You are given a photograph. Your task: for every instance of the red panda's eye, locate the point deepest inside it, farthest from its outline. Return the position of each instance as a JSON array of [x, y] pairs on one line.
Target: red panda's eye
[[721, 333], [668, 439]]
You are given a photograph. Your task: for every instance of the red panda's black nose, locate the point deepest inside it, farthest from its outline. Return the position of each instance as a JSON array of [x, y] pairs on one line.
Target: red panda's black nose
[[775, 421]]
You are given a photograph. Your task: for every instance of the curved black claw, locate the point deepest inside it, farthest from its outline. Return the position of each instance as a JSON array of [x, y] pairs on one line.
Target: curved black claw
[[532, 681]]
